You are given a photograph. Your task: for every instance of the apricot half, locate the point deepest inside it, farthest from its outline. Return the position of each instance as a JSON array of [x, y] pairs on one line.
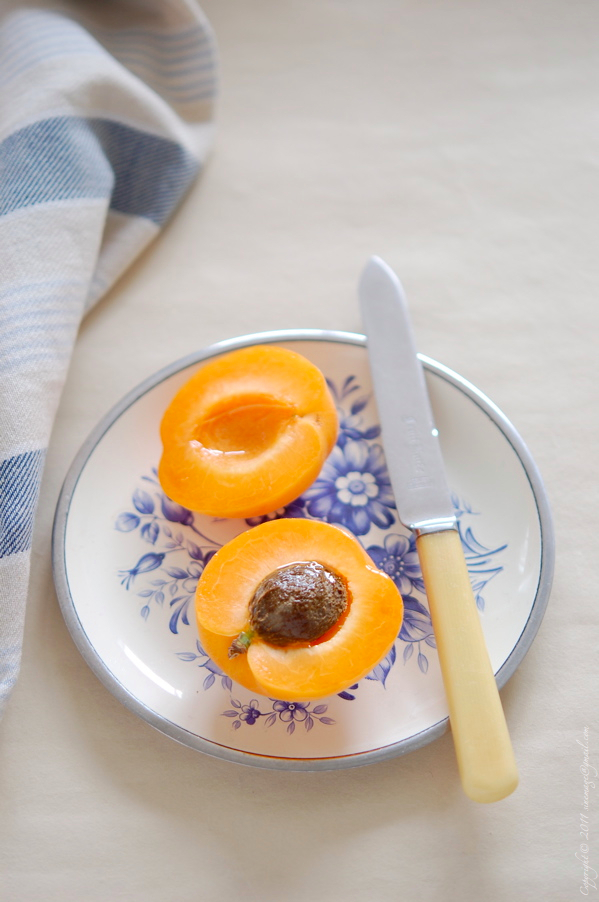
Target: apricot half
[[346, 652], [248, 433]]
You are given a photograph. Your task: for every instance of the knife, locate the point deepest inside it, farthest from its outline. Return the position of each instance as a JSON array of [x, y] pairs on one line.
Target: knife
[[483, 748]]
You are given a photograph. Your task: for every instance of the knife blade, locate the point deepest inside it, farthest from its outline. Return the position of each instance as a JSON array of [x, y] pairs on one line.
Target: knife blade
[[416, 469]]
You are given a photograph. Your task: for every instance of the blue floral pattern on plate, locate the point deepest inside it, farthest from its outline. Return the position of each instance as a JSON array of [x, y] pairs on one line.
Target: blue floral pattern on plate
[[353, 491]]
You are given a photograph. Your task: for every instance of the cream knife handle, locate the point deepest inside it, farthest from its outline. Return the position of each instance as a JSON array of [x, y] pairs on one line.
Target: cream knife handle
[[481, 739]]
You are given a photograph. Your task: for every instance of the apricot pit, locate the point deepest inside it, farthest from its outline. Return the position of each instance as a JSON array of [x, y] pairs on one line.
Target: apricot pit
[[297, 603]]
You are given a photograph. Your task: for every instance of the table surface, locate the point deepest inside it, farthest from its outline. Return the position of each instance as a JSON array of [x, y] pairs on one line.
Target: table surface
[[459, 142]]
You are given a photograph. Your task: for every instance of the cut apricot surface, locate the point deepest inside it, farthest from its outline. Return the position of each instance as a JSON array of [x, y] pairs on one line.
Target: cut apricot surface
[[248, 433], [345, 654]]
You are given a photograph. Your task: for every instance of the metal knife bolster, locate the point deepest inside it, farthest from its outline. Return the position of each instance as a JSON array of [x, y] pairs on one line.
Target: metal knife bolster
[[411, 441], [437, 524]]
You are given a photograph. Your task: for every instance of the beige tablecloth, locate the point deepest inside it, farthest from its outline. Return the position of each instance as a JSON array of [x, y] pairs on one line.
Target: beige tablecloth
[[459, 142]]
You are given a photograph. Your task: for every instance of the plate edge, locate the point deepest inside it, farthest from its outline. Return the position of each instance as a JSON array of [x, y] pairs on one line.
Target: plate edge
[[179, 734]]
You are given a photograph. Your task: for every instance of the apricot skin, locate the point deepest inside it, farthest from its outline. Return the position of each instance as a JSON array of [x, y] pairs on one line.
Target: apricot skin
[[364, 635], [248, 433]]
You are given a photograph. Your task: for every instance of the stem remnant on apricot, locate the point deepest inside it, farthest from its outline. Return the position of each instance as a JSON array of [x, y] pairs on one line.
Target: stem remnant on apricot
[[240, 645]]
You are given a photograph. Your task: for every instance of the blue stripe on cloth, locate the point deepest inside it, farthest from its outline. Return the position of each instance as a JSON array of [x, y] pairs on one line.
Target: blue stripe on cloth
[[47, 286], [19, 488], [18, 58], [33, 37], [38, 324], [184, 94], [24, 21], [131, 36], [35, 26], [50, 160], [38, 49], [197, 66], [71, 157], [151, 173]]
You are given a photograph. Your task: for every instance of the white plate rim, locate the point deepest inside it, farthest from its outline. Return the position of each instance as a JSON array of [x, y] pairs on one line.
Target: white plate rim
[[214, 749]]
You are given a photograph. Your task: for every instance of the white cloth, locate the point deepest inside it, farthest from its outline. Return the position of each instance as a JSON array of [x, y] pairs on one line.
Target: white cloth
[[106, 118]]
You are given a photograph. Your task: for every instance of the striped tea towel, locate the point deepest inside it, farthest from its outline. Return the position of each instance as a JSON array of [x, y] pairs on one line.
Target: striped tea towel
[[106, 118]]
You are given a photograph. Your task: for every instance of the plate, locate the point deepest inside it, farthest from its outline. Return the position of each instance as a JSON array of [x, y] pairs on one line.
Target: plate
[[127, 561]]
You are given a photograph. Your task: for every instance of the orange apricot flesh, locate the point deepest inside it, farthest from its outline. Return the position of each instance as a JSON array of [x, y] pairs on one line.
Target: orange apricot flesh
[[347, 653], [248, 433]]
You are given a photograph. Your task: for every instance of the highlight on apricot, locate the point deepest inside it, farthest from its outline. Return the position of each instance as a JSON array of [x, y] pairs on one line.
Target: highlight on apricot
[[248, 433], [295, 609]]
